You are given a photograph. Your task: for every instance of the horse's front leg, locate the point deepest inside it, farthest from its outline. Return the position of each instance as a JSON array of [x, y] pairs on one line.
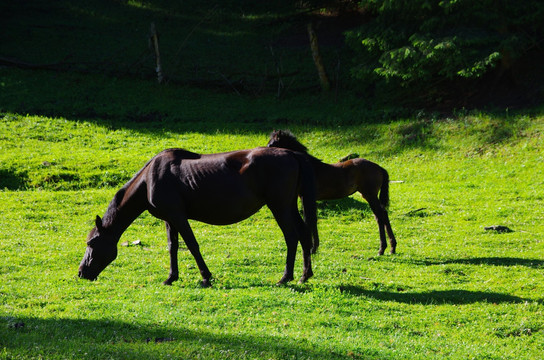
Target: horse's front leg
[[173, 246], [290, 223], [187, 234]]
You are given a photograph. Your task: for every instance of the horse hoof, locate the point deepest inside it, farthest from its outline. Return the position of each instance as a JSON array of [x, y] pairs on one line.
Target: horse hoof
[[305, 277], [169, 281], [284, 280], [206, 283]]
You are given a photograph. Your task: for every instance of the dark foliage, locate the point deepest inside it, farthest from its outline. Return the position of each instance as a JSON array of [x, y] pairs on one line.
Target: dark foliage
[[430, 45]]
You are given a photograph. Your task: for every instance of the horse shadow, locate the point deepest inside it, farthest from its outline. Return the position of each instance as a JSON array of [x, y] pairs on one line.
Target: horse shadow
[[500, 261], [329, 208], [493, 261], [433, 297]]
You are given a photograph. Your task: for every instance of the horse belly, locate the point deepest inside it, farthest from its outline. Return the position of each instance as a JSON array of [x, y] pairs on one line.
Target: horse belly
[[338, 189], [221, 204], [335, 181]]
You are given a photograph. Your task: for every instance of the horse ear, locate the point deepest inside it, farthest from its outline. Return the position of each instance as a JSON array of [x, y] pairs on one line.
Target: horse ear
[[98, 223]]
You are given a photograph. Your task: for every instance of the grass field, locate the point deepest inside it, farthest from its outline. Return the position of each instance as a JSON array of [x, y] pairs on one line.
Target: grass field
[[453, 290], [69, 138]]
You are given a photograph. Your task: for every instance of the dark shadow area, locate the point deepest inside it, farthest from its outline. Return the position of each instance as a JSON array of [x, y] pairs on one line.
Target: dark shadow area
[[100, 339], [493, 261], [111, 37], [342, 206], [11, 181], [104, 72], [149, 108], [501, 261], [451, 297], [103, 69]]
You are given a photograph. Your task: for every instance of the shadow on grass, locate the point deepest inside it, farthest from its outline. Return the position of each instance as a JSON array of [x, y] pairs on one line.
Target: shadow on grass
[[102, 73], [494, 261], [450, 297], [342, 206], [101, 339], [11, 180], [107, 79], [500, 261]]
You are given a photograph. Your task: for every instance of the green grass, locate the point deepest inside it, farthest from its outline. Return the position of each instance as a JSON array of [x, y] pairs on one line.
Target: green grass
[[69, 140], [452, 291]]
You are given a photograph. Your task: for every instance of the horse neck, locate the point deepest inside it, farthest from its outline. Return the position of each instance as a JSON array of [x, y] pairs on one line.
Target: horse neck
[[324, 168], [127, 204], [296, 146]]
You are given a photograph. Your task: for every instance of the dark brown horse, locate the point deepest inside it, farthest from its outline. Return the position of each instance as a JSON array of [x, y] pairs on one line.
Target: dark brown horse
[[177, 185], [336, 181]]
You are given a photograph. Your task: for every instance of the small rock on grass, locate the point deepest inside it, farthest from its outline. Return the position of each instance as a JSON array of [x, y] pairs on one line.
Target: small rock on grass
[[499, 229], [134, 243]]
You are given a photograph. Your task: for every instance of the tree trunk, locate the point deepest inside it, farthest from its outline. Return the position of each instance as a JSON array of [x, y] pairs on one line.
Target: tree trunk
[[154, 38], [323, 78]]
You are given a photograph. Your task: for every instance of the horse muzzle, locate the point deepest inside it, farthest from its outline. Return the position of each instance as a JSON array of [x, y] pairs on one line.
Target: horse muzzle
[[86, 275]]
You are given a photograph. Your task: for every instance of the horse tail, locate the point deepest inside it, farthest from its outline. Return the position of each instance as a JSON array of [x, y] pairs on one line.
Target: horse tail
[[308, 196], [384, 191]]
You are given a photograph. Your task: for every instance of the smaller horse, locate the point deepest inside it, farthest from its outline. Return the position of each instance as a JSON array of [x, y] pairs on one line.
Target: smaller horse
[[336, 181], [177, 185]]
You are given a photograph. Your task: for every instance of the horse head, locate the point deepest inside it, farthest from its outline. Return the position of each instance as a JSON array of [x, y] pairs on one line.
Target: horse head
[[285, 139], [101, 251]]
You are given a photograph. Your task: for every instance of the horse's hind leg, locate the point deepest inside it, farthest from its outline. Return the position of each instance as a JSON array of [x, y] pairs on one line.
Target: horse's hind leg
[[182, 225], [314, 234], [390, 234], [305, 237], [173, 246], [291, 242], [381, 218], [290, 224]]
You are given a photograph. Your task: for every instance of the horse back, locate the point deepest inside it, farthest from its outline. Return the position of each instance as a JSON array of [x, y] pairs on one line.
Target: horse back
[[221, 188], [370, 176]]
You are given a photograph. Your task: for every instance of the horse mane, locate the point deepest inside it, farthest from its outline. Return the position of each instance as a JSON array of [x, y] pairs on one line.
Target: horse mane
[[115, 203], [111, 211], [288, 141], [285, 139]]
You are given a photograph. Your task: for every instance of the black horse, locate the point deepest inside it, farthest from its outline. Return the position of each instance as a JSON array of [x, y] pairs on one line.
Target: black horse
[[177, 185], [336, 181]]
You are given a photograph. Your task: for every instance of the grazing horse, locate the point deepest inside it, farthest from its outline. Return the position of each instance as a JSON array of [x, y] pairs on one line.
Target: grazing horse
[[219, 189], [335, 181]]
